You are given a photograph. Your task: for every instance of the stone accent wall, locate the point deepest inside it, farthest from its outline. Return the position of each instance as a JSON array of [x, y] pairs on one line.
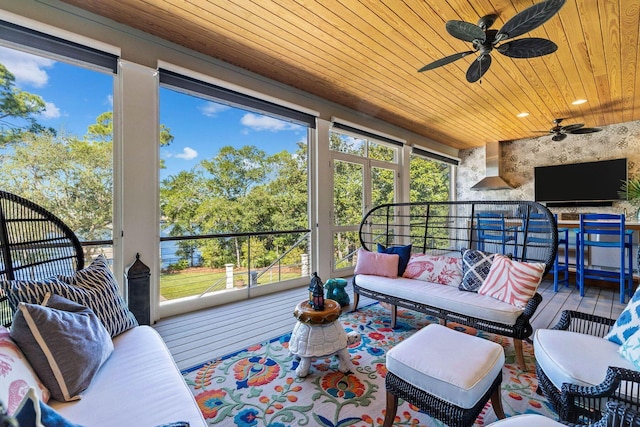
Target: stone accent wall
[[520, 157]]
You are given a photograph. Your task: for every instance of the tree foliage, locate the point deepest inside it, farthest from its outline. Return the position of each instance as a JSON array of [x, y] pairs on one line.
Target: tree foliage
[[19, 106], [239, 190]]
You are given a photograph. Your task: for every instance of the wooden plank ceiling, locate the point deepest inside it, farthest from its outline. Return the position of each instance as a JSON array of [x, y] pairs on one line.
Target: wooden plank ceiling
[[365, 54]]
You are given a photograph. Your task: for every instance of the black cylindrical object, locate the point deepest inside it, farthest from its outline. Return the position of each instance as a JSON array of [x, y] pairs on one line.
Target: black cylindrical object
[[139, 286]]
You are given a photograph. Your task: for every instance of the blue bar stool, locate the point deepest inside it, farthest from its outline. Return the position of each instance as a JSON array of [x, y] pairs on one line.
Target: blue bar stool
[[561, 267], [594, 228], [491, 227], [538, 231]]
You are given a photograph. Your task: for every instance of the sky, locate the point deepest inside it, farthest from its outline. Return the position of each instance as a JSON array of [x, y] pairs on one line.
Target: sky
[[76, 96]]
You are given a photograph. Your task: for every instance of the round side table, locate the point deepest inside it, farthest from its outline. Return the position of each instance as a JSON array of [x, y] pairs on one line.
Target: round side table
[[318, 334]]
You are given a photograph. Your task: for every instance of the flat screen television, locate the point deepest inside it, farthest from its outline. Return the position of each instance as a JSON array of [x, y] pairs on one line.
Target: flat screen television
[[580, 184]]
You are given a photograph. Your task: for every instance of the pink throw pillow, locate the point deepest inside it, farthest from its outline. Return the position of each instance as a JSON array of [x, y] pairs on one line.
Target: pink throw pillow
[[442, 269], [16, 374], [377, 264], [511, 281]]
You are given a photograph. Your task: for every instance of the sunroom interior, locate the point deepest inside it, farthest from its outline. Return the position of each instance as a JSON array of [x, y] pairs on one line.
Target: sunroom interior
[[365, 126]]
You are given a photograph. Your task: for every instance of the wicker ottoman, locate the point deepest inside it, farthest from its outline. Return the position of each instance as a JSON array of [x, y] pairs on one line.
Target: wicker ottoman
[[447, 374]]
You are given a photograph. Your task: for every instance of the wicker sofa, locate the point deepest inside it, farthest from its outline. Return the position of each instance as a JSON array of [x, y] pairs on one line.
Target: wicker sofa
[[446, 228]]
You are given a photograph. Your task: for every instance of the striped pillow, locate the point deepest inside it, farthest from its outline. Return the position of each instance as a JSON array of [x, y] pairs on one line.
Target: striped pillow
[[94, 287], [511, 281]]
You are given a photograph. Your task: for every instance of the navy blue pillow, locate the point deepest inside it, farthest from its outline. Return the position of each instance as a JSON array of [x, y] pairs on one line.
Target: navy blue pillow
[[403, 251], [28, 415]]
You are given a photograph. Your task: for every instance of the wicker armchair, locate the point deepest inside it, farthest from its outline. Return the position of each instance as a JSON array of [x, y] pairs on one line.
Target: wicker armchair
[[34, 244], [617, 415], [583, 404]]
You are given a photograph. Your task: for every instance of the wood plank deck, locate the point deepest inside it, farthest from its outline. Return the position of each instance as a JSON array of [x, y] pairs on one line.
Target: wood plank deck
[[197, 337]]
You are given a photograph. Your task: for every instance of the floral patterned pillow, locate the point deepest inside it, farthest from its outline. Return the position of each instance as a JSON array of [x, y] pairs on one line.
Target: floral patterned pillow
[[16, 374], [445, 270]]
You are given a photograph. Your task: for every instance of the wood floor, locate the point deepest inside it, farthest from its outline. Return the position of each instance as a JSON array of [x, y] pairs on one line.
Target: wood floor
[[200, 336]]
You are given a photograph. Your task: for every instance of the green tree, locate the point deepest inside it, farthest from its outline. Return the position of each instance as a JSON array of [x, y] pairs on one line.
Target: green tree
[[180, 198], [18, 110], [71, 177]]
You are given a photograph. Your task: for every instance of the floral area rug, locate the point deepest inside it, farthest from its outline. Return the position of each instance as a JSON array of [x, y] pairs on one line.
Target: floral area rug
[[257, 386]]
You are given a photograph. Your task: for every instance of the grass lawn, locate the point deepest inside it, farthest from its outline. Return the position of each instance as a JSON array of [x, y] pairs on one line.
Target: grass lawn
[[194, 281]]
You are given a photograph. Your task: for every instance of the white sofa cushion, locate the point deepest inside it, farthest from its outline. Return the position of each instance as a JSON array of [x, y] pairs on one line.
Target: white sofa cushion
[[444, 297], [526, 420], [556, 352], [139, 385], [451, 365]]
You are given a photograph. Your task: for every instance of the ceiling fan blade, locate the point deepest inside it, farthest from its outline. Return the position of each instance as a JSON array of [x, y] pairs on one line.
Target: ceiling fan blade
[[465, 31], [444, 61], [528, 19], [559, 137], [478, 68], [572, 128], [527, 48], [585, 130]]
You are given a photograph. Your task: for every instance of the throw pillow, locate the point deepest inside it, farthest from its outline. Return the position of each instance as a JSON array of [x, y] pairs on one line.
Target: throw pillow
[[377, 264], [442, 269], [404, 252], [628, 323], [514, 282], [65, 343], [16, 374], [475, 268], [94, 287], [34, 413], [630, 349]]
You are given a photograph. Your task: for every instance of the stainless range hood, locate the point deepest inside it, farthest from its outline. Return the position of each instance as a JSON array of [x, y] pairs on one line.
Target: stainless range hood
[[492, 179]]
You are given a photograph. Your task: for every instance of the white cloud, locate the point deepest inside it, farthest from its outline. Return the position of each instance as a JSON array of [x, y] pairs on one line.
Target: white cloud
[[211, 109], [50, 111], [28, 69], [187, 154], [110, 100], [260, 123]]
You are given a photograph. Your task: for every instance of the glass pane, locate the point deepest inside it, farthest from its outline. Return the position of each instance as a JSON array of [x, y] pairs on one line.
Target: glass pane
[[430, 180], [56, 145], [347, 144], [229, 171], [345, 245], [348, 184], [383, 184], [386, 153]]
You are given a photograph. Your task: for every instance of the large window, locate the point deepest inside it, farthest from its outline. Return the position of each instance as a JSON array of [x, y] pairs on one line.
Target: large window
[[233, 192], [56, 139], [429, 180], [365, 174]]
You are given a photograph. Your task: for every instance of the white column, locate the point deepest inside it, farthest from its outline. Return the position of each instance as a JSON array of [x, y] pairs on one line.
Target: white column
[[322, 255], [136, 153]]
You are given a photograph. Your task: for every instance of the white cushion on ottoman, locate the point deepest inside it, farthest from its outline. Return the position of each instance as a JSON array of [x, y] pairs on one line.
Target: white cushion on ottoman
[[555, 352], [454, 366], [527, 420]]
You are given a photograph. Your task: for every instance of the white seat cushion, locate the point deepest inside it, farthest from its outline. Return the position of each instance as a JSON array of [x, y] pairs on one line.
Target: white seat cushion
[[571, 357], [139, 385], [451, 365], [526, 420], [444, 297]]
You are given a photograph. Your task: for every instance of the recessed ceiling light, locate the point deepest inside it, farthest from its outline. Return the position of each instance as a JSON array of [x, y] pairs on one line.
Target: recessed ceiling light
[[579, 101], [523, 114]]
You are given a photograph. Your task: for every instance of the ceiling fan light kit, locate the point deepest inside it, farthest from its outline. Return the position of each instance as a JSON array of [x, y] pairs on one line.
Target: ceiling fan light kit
[[484, 40]]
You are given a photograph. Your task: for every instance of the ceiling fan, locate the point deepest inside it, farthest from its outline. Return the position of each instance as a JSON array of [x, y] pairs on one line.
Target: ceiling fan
[[560, 132], [485, 40]]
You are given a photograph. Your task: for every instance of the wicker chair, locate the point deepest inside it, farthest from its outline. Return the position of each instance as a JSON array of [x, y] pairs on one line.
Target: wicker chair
[[583, 404], [34, 244]]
